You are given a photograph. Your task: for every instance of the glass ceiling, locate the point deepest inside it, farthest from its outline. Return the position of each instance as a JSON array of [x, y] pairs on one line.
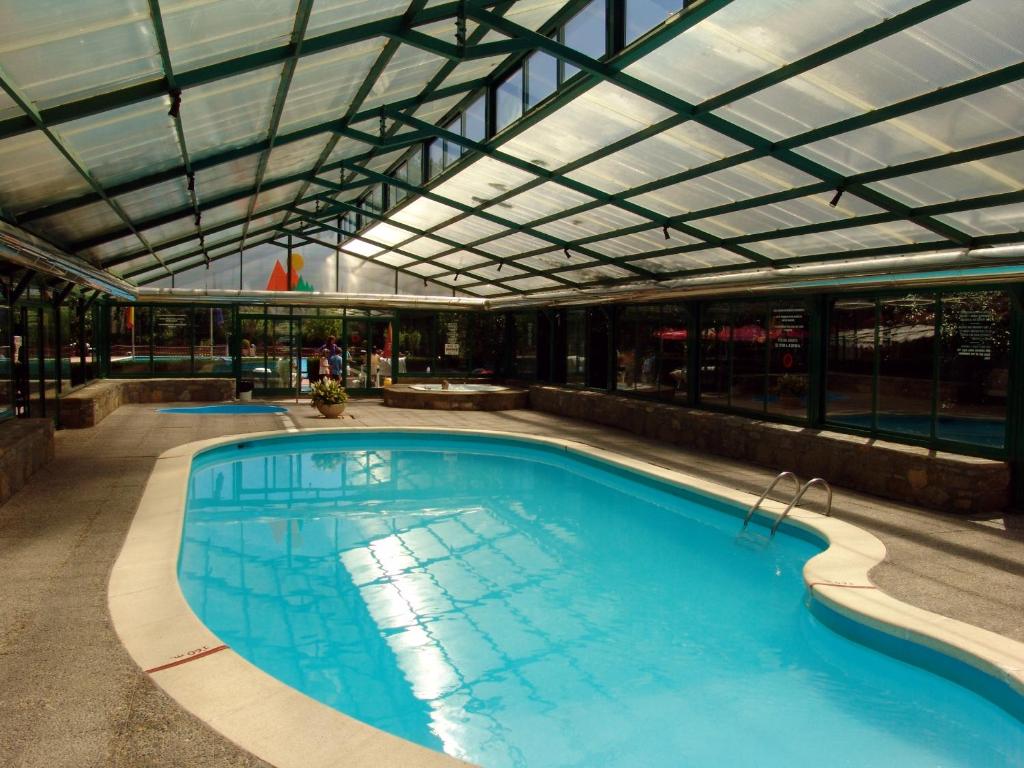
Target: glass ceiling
[[150, 138]]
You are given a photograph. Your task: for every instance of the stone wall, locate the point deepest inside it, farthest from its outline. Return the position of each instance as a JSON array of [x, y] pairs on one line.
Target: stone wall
[[947, 482], [26, 446], [88, 406]]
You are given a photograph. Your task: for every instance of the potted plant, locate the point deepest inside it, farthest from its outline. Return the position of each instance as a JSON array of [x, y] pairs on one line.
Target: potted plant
[[328, 397], [791, 388]]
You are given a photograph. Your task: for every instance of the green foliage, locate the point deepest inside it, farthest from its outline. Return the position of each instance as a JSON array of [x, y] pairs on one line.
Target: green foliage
[[327, 392]]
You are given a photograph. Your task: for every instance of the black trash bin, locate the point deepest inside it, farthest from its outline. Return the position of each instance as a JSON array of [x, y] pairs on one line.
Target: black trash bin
[[245, 388]]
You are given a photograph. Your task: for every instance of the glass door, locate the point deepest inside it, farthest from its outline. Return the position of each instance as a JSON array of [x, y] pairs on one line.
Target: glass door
[[368, 353]]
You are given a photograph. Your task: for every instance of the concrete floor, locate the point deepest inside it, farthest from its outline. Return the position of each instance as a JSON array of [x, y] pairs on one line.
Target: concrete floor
[[70, 696]]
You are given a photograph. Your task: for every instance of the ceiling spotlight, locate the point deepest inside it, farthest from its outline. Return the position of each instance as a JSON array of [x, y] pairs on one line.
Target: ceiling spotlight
[[424, 282], [456, 277], [199, 218], [664, 230], [175, 103], [191, 181], [566, 252], [500, 265], [835, 199]]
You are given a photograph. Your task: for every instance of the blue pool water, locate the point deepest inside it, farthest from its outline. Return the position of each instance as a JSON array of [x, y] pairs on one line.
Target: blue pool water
[[227, 408], [514, 606], [978, 431]]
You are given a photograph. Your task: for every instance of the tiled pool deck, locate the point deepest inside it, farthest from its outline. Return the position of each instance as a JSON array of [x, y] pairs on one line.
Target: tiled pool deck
[[69, 694]]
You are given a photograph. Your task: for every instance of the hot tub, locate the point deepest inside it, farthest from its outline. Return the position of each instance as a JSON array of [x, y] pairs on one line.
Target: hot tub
[[458, 397]]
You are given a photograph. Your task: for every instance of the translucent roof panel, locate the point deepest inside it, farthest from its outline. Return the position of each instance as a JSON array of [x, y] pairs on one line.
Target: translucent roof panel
[[596, 272], [229, 113], [33, 173], [125, 143], [204, 32], [79, 224], [742, 182], [405, 75], [224, 177], [460, 260], [554, 260], [493, 272], [673, 151], [958, 182], [332, 15], [394, 259], [484, 180], [424, 246], [514, 245], [36, 35], [270, 198], [690, 260], [544, 200], [151, 201], [997, 220], [937, 52], [387, 234], [596, 221], [749, 38], [892, 235], [470, 229], [604, 114], [986, 117], [803, 211], [295, 157], [323, 84], [360, 247], [424, 214], [426, 268], [649, 241]]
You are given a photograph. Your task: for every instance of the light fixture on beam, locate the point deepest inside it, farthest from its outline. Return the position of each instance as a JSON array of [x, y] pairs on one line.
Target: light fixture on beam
[[566, 252], [664, 231], [835, 198], [175, 109]]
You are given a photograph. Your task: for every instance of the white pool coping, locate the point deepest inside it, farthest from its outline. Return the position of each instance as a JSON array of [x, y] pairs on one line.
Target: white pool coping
[[286, 728]]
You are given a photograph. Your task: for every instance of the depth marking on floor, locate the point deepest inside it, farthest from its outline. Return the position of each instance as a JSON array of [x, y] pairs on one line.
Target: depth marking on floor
[[186, 657]]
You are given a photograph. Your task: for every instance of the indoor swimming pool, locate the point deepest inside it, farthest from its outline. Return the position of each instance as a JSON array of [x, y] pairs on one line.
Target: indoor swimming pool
[[513, 604]]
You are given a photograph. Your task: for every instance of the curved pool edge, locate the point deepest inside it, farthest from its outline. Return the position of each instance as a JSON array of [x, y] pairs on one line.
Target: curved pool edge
[[287, 728]]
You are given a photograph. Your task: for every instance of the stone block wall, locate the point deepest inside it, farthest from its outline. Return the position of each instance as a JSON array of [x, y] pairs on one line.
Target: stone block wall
[[88, 406], [26, 446], [947, 482]]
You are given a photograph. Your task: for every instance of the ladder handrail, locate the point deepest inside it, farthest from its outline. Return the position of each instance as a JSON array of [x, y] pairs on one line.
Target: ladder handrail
[[753, 509], [799, 495]]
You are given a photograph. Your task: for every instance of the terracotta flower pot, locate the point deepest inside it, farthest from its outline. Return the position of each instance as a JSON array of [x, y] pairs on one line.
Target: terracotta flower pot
[[332, 411]]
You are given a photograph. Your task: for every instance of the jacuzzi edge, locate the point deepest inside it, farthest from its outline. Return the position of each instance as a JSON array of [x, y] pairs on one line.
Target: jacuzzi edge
[[287, 728]]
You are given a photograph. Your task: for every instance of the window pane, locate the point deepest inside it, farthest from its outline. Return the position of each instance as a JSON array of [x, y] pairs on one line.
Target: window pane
[[172, 332], [453, 150], [451, 350], [974, 375], [642, 15], [585, 32], [715, 333], [476, 120], [787, 339], [575, 346], [526, 345], [672, 361], [398, 194], [213, 347], [851, 362], [129, 340], [415, 333], [415, 167], [435, 157], [749, 344], [542, 77], [509, 101], [906, 353]]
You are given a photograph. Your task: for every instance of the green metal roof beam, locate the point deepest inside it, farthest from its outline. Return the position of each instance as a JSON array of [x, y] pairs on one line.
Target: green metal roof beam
[[613, 75], [26, 105], [228, 156], [158, 87], [302, 14]]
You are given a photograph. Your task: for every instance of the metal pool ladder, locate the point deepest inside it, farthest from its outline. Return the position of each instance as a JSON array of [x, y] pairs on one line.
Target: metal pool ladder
[[800, 495], [796, 485]]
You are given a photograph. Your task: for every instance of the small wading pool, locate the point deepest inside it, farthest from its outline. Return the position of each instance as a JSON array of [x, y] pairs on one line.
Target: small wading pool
[[513, 604], [226, 409], [458, 397]]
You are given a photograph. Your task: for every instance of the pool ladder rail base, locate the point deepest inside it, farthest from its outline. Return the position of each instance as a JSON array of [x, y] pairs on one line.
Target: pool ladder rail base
[[800, 490]]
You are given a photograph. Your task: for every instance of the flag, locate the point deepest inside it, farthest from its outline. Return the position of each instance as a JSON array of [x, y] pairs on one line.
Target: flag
[[129, 318]]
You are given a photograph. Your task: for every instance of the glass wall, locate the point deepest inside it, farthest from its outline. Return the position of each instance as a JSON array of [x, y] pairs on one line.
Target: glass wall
[[576, 347], [926, 366], [754, 357], [650, 348], [6, 363], [525, 363], [172, 340]]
